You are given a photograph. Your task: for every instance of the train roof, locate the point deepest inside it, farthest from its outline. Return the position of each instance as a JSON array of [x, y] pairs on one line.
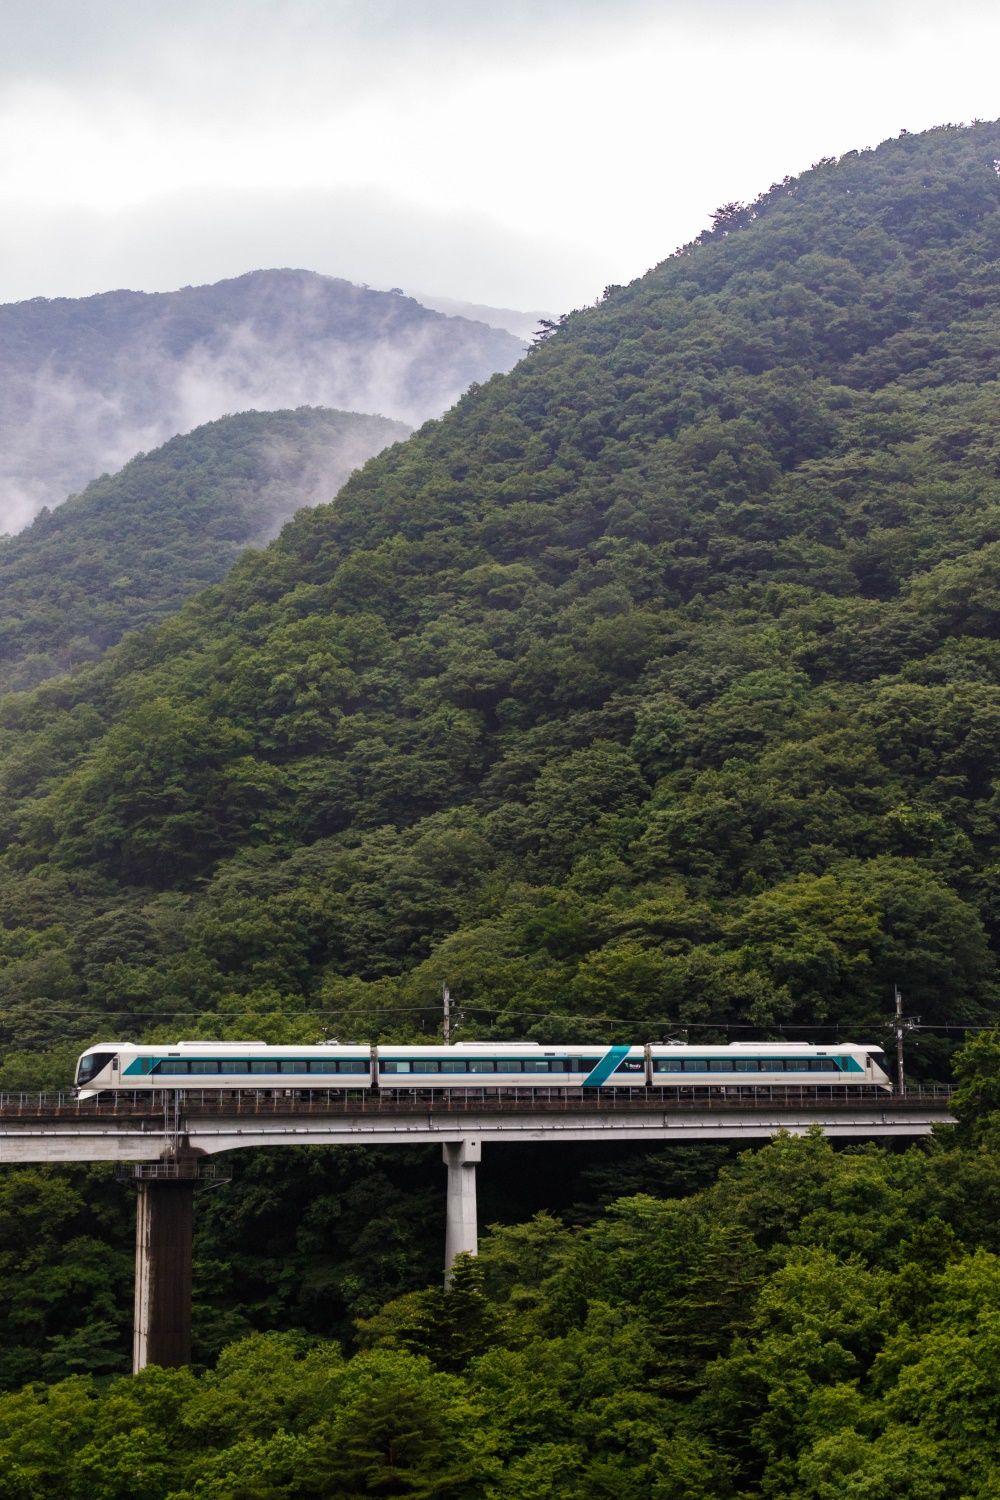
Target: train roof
[[548, 1049]]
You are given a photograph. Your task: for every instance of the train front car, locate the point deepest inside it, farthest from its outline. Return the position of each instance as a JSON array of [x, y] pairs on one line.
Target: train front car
[[221, 1065], [97, 1069]]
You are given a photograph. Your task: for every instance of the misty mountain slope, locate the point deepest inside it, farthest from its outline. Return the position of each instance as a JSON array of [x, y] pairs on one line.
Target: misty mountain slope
[[129, 549], [657, 685], [87, 383], [517, 321]]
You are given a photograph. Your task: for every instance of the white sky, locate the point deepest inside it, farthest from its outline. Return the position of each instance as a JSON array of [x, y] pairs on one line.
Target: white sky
[[513, 152]]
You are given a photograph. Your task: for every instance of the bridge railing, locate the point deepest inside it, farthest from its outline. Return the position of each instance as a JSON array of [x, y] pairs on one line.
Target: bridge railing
[[167, 1106]]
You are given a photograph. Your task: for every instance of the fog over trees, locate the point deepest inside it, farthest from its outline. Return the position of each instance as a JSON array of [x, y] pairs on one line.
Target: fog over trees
[[87, 383]]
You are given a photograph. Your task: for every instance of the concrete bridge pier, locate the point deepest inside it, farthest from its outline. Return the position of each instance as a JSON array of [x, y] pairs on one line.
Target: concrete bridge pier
[[462, 1228], [164, 1224]]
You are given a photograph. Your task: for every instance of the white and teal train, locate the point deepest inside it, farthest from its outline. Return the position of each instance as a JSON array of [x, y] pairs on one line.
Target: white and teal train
[[480, 1065]]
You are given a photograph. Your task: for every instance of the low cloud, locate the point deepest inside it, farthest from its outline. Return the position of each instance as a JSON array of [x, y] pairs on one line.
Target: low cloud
[[302, 341], [60, 434]]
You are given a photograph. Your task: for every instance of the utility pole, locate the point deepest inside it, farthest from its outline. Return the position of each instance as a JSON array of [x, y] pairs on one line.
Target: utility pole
[[446, 1025], [900, 1030]]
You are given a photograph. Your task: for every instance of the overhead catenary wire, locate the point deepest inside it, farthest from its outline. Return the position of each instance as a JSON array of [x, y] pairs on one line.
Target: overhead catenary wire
[[319, 1012]]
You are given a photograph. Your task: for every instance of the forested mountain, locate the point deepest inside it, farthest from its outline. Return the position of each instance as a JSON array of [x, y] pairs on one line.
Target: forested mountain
[[85, 383], [134, 545], [657, 685]]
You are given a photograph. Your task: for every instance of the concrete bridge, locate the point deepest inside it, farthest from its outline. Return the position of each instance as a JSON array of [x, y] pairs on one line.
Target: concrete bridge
[[166, 1140]]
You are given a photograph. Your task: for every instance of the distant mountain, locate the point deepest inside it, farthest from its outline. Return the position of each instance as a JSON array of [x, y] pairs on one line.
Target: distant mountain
[[518, 322], [86, 383], [132, 546]]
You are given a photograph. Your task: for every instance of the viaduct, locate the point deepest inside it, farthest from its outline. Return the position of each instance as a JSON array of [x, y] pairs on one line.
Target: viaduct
[[166, 1141]]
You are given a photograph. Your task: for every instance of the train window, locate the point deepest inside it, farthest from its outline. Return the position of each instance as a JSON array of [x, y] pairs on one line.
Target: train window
[[508, 1065], [453, 1065], [204, 1065], [481, 1065], [263, 1065], [323, 1065], [395, 1065], [536, 1065], [234, 1065], [745, 1065], [170, 1066], [695, 1065], [426, 1065], [668, 1065], [354, 1065], [91, 1065], [294, 1065], [720, 1065]]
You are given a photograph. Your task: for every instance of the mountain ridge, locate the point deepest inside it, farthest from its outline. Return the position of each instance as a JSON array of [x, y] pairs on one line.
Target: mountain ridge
[[85, 383]]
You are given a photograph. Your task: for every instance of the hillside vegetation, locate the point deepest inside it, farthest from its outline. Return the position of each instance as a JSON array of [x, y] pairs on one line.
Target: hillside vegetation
[[87, 382], [815, 1325], [657, 685], [134, 545]]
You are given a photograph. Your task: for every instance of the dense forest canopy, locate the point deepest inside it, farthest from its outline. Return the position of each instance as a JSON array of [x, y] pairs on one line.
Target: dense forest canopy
[[134, 545], [657, 685]]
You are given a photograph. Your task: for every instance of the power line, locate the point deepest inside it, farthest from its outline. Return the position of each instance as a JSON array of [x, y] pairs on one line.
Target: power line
[[391, 1010], [952, 1026], [98, 1014]]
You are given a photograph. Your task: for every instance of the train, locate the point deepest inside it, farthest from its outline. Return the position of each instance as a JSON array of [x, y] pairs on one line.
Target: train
[[113, 1066]]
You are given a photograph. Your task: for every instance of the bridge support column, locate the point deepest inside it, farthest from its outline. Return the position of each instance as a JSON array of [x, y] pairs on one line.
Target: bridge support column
[[462, 1231], [163, 1237]]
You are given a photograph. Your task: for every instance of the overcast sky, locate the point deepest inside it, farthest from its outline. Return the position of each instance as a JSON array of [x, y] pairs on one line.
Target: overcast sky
[[514, 152]]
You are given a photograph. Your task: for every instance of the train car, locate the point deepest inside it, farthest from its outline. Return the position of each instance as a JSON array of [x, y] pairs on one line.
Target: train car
[[488, 1065], [220, 1065], [750, 1064], [589, 1066], [480, 1065]]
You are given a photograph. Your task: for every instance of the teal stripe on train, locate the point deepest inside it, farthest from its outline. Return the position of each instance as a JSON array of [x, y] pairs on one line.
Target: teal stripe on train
[[141, 1066], [607, 1065]]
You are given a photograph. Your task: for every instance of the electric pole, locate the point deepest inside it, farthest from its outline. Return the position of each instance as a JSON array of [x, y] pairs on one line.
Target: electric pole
[[446, 1024], [900, 1029]]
